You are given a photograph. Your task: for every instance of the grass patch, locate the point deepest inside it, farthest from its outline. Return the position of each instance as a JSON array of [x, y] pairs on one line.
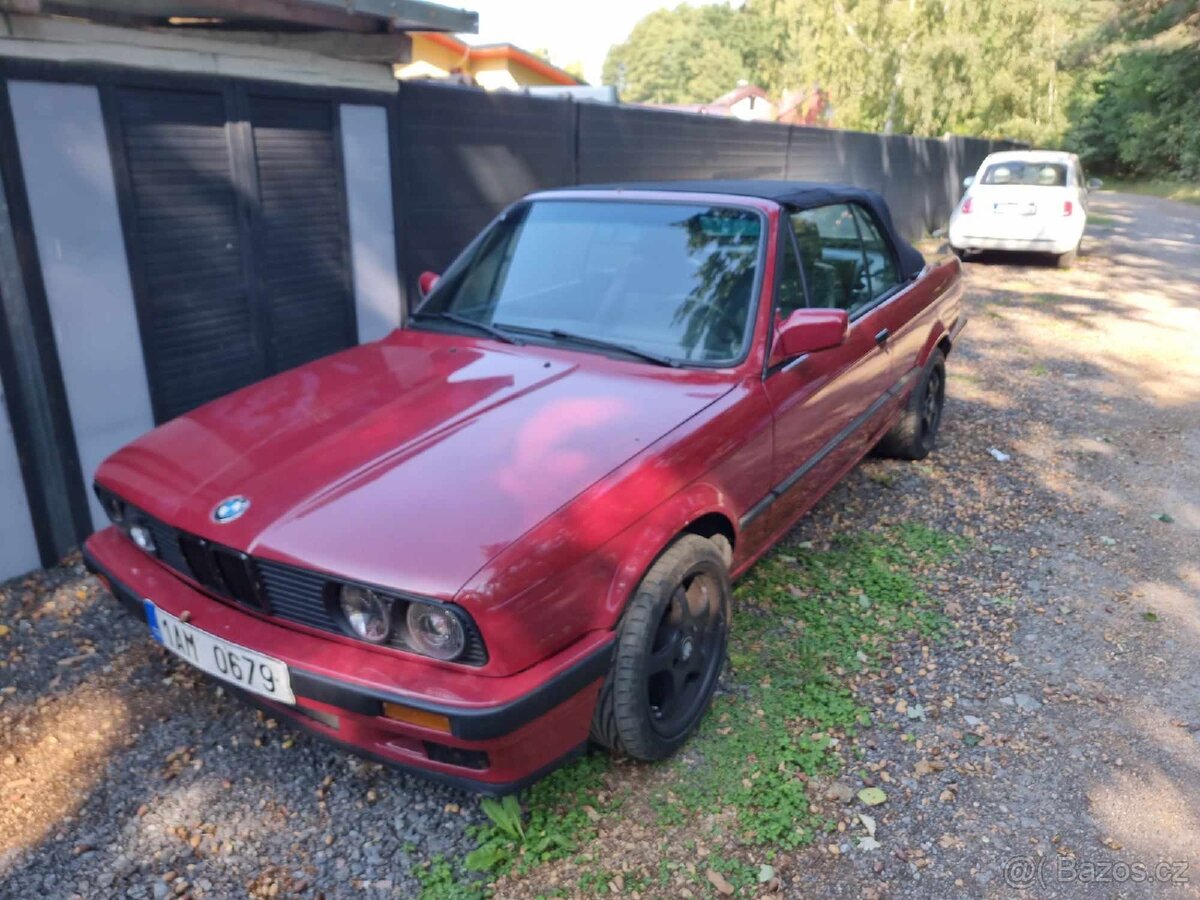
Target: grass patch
[[806, 623], [1188, 192], [802, 623], [1097, 219], [1039, 369]]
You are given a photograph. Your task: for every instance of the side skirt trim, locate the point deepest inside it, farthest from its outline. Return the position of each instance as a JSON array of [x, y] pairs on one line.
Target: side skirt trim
[[861, 419]]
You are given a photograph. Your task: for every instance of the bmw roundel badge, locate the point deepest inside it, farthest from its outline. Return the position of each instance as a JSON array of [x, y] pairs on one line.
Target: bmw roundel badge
[[229, 509]]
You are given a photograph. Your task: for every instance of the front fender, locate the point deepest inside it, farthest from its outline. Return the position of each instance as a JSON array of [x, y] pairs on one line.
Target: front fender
[[641, 544], [586, 593], [574, 572]]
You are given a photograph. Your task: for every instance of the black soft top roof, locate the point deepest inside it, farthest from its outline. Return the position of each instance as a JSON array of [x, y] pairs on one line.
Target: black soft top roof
[[797, 194]]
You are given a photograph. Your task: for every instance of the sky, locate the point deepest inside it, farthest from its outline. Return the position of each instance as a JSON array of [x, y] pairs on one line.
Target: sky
[[572, 30]]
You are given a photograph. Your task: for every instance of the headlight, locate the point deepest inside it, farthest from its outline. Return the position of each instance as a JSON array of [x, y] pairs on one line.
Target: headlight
[[141, 536], [368, 615], [114, 508], [435, 631]]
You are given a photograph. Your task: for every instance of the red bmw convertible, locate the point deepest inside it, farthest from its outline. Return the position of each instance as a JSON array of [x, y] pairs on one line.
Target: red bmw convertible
[[510, 526]]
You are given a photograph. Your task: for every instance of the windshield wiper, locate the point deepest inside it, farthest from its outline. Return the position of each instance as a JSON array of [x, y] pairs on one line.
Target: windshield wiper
[[598, 343], [492, 330]]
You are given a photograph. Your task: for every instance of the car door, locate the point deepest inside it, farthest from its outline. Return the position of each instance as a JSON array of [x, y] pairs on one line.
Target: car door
[[905, 309], [827, 404]]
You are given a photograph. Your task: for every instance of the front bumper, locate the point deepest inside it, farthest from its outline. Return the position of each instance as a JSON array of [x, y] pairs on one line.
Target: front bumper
[[513, 728]]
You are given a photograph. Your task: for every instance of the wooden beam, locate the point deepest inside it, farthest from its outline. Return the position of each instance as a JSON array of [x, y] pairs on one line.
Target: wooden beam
[[375, 48]]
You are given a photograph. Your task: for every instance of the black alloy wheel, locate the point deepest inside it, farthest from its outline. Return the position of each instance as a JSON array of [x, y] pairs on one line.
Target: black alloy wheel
[[670, 649], [686, 656]]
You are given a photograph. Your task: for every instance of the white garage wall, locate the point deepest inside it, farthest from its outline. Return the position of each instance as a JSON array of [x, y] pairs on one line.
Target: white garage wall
[[18, 549], [76, 223], [372, 225]]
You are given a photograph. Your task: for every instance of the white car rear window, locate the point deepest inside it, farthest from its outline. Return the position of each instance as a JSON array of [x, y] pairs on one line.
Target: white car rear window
[[1028, 173]]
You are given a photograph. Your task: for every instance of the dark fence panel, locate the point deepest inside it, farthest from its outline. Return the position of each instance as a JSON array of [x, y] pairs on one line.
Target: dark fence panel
[[622, 143], [818, 154], [465, 155]]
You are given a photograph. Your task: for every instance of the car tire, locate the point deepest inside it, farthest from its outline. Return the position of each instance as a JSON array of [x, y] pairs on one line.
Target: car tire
[[1066, 260], [669, 653], [914, 435], [959, 252]]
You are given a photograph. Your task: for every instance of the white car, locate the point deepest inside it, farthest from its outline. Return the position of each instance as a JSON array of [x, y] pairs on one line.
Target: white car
[[1024, 200]]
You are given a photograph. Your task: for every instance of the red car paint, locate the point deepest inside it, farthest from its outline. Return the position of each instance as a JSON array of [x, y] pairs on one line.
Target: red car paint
[[531, 486]]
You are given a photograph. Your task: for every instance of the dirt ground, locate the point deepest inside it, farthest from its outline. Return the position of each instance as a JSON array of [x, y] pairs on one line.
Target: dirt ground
[[1061, 751], [1090, 380]]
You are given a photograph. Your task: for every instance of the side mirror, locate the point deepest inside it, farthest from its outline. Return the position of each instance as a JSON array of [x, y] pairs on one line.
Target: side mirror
[[809, 330], [968, 181], [426, 282], [1094, 184]]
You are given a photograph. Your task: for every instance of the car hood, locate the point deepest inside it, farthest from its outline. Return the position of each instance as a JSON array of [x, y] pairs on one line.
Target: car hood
[[409, 462]]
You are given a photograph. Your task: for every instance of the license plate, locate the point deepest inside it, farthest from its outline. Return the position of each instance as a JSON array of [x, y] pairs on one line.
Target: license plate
[[253, 672], [1015, 209]]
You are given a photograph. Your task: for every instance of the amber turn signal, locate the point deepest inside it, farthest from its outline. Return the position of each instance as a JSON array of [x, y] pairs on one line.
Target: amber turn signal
[[400, 713]]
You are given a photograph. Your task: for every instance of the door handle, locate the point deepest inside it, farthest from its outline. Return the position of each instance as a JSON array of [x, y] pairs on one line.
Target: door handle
[[882, 336]]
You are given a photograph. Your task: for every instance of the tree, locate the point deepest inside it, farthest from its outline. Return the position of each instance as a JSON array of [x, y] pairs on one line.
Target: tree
[[575, 69], [684, 55], [988, 67], [1138, 112]]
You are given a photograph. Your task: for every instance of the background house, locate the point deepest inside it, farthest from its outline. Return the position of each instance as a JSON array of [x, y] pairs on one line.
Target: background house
[[750, 103], [491, 66]]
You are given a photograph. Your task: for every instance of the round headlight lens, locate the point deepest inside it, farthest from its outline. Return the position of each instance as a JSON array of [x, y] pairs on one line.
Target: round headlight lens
[[435, 631], [368, 614], [143, 538]]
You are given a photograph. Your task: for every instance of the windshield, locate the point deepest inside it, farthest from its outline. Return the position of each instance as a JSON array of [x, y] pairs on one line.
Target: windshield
[[1033, 173], [662, 279]]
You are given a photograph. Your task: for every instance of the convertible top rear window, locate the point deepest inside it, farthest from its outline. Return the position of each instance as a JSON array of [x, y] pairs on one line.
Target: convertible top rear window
[[675, 280]]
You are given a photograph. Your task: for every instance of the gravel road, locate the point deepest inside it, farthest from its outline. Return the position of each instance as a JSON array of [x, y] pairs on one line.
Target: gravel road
[[1074, 657]]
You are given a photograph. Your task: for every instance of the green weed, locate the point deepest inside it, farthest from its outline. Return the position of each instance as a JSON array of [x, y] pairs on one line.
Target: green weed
[[804, 621]]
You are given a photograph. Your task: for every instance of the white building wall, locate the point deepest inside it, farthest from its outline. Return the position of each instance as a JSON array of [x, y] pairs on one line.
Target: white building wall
[[77, 227], [18, 549], [372, 223]]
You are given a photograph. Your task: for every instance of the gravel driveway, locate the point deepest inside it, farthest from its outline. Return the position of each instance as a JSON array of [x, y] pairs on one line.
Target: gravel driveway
[[1073, 656]]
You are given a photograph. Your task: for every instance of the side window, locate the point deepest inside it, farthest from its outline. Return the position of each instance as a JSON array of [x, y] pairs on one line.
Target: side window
[[881, 265], [831, 253], [790, 292]]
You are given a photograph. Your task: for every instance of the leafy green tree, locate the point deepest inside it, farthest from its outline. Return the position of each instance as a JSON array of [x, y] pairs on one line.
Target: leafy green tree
[[690, 54], [987, 67], [1139, 113]]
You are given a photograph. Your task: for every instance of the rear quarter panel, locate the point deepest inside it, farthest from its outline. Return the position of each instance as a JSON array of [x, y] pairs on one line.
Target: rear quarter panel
[[925, 313]]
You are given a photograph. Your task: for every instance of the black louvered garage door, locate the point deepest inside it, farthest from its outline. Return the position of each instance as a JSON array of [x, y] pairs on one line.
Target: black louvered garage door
[[235, 215], [303, 250]]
